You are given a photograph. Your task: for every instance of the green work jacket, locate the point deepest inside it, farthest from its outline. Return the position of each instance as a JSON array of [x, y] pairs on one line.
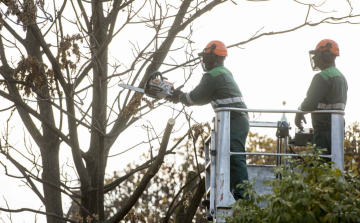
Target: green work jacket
[[217, 87], [327, 91]]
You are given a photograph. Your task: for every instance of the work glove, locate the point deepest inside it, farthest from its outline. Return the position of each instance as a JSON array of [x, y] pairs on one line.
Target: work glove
[[175, 97], [298, 120]]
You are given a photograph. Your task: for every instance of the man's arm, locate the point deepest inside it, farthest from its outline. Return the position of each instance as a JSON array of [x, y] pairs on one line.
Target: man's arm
[[315, 94], [202, 92]]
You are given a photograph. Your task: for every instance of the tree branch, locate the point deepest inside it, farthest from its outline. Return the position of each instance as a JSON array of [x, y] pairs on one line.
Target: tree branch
[[188, 117], [28, 111], [171, 207], [118, 181], [157, 58], [57, 17], [194, 202], [198, 13], [145, 165], [55, 65], [22, 107], [23, 171], [38, 212], [147, 177], [107, 41], [14, 33], [75, 149], [3, 55], [293, 29], [83, 11]]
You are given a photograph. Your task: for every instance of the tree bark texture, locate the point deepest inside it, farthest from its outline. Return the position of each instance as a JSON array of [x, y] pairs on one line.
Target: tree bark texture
[[193, 205], [181, 211], [49, 147], [96, 167]]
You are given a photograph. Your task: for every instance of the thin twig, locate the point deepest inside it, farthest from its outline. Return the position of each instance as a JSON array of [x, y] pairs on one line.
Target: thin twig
[[38, 212], [194, 143]]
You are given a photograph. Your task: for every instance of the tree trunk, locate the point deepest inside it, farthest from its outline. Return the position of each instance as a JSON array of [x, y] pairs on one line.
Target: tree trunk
[[180, 214], [50, 174], [49, 147], [193, 205], [97, 163]]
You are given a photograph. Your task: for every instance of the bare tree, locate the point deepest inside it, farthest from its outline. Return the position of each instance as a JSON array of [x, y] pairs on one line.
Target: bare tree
[[58, 66], [59, 85], [171, 193]]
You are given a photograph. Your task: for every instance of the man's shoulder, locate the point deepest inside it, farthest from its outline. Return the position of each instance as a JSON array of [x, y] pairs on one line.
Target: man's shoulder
[[218, 70], [329, 73]]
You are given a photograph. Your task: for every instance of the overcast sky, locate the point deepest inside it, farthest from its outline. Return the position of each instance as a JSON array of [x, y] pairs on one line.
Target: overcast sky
[[276, 68], [273, 69]]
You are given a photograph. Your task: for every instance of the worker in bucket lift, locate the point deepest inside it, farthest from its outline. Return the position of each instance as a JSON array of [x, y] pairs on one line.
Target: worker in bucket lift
[[327, 91], [218, 87]]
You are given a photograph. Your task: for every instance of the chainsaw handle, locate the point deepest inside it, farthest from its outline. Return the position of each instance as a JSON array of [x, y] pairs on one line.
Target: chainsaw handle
[[155, 74]]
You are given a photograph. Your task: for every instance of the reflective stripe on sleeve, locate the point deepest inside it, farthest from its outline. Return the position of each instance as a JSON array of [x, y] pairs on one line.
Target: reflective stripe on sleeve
[[339, 106], [191, 102], [226, 101]]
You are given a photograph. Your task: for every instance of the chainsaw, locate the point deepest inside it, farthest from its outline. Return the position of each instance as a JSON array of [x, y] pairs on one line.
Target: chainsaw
[[156, 86]]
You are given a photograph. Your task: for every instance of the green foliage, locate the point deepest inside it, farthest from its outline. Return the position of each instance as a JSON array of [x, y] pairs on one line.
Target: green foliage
[[309, 190], [351, 147], [258, 143]]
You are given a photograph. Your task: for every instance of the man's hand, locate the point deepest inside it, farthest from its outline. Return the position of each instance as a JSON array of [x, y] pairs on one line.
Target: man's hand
[[298, 120], [175, 98]]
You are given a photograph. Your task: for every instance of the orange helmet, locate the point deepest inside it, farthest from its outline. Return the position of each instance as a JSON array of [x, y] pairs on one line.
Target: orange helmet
[[217, 47], [328, 44], [325, 53]]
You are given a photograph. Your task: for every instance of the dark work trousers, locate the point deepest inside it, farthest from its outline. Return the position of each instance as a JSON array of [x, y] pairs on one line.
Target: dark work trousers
[[322, 139], [239, 129]]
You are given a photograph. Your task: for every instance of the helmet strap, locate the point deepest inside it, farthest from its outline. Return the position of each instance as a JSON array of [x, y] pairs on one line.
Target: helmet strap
[[323, 60], [209, 59], [212, 48], [315, 59]]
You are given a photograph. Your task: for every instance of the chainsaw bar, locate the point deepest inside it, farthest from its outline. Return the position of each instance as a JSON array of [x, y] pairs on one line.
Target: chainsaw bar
[[154, 92], [132, 88], [156, 86]]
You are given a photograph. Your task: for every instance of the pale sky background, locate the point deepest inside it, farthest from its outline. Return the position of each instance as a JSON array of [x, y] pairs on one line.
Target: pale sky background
[[269, 70]]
